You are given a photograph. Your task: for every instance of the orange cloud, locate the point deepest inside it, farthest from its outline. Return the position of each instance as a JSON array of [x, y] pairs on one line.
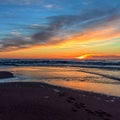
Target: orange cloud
[[96, 35], [66, 48]]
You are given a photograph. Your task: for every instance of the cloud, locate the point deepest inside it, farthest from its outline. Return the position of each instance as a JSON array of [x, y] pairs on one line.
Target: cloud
[[105, 56], [95, 23], [49, 6]]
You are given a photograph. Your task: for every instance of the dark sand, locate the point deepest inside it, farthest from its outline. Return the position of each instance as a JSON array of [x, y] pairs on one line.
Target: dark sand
[[37, 101]]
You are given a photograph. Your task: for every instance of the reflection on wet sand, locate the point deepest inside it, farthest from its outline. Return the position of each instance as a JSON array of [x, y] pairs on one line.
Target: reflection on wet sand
[[70, 77]]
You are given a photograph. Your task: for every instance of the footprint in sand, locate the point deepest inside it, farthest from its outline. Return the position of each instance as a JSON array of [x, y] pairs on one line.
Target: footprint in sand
[[74, 109], [62, 94], [89, 111], [79, 105], [70, 100], [101, 113]]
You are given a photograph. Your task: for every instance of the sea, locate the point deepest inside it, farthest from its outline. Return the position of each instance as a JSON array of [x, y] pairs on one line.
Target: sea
[[98, 76]]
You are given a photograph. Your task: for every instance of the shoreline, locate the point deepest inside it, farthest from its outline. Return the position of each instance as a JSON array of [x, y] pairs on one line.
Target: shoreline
[[79, 90], [34, 101]]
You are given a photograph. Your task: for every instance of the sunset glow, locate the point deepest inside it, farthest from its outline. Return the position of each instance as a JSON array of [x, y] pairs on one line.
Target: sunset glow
[[83, 57], [50, 29]]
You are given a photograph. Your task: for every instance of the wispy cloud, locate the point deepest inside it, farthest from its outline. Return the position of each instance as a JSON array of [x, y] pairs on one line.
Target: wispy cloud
[[49, 6], [92, 24]]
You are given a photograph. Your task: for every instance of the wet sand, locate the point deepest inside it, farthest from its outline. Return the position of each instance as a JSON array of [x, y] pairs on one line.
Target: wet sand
[[6, 74], [38, 101]]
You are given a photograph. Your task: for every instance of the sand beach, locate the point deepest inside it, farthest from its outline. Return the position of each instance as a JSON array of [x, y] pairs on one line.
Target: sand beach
[[38, 101]]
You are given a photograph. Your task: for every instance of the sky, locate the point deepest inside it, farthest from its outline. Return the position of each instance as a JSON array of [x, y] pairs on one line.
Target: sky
[[59, 29]]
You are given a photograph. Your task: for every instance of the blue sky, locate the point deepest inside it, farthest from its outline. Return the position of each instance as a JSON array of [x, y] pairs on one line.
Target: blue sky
[[26, 23]]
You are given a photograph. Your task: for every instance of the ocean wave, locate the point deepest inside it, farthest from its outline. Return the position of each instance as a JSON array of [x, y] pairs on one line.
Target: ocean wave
[[105, 64]]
